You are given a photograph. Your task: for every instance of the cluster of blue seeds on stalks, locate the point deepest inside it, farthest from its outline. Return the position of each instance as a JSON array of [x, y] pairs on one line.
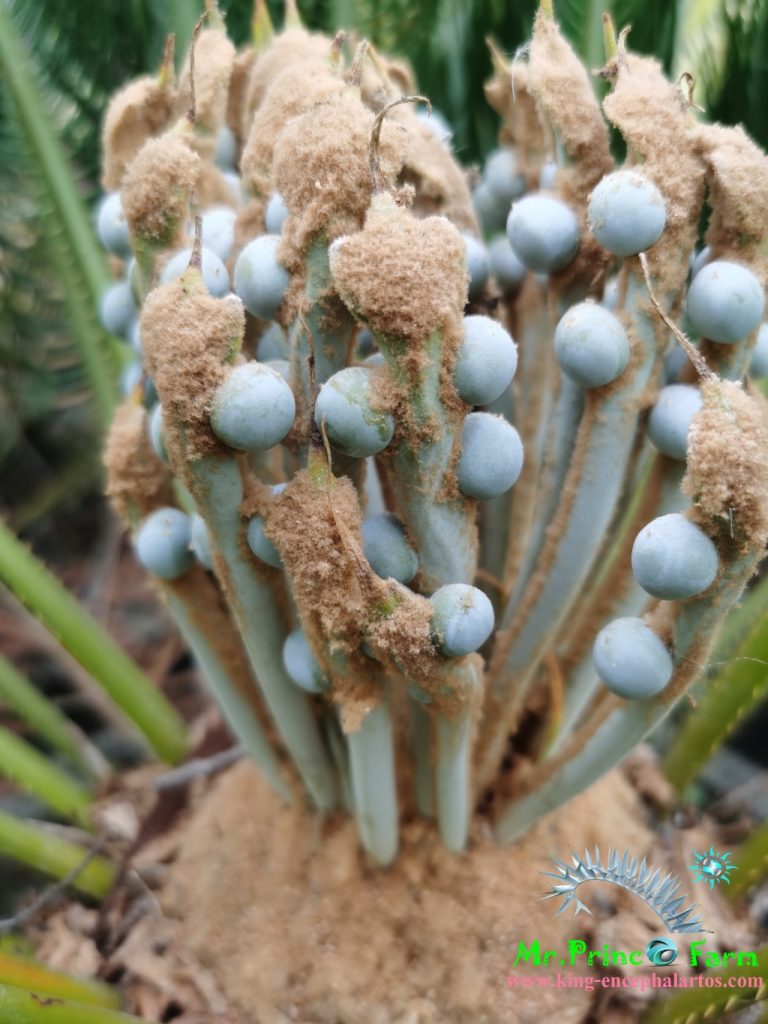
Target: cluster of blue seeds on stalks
[[528, 236]]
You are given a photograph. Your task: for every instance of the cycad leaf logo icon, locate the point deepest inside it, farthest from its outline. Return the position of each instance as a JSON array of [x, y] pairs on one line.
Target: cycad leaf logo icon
[[661, 952]]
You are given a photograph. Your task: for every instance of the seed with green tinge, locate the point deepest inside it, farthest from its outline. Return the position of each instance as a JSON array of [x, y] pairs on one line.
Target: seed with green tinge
[[346, 405]]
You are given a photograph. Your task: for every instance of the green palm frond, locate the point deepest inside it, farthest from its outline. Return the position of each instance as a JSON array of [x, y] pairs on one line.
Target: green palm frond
[[740, 685], [51, 259], [654, 26], [737, 94], [582, 22]]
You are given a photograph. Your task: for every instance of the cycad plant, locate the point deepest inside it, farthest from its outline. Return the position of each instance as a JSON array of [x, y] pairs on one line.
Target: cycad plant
[[454, 486], [336, 430]]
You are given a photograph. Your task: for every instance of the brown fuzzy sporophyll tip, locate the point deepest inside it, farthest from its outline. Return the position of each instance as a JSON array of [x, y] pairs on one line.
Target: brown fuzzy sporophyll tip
[[137, 480], [190, 340], [321, 168], [157, 187], [137, 113], [404, 277], [727, 475]]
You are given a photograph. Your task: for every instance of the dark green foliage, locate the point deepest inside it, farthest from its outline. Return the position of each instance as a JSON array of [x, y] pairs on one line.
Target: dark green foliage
[[739, 97], [78, 66]]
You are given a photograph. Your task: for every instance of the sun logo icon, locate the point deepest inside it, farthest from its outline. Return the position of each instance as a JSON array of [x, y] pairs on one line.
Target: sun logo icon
[[712, 867]]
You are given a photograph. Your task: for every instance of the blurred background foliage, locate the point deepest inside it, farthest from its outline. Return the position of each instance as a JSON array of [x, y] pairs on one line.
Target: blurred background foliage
[[74, 60]]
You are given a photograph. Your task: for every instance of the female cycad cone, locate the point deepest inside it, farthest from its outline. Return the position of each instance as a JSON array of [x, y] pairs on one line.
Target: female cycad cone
[[404, 621]]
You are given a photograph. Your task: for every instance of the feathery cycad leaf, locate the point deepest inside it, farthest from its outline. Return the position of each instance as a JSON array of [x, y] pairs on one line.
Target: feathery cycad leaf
[[73, 251]]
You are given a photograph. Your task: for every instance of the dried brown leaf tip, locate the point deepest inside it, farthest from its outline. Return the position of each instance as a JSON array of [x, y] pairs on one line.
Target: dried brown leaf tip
[[737, 178], [659, 133]]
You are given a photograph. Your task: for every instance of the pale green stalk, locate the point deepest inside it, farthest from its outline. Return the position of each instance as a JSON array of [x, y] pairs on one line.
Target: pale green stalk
[[42, 715], [532, 387], [441, 527], [694, 629], [421, 753], [237, 712], [218, 489], [59, 858], [495, 520], [454, 735], [372, 769], [582, 680], [34, 773], [566, 417], [338, 748], [23, 972], [85, 639], [605, 441]]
